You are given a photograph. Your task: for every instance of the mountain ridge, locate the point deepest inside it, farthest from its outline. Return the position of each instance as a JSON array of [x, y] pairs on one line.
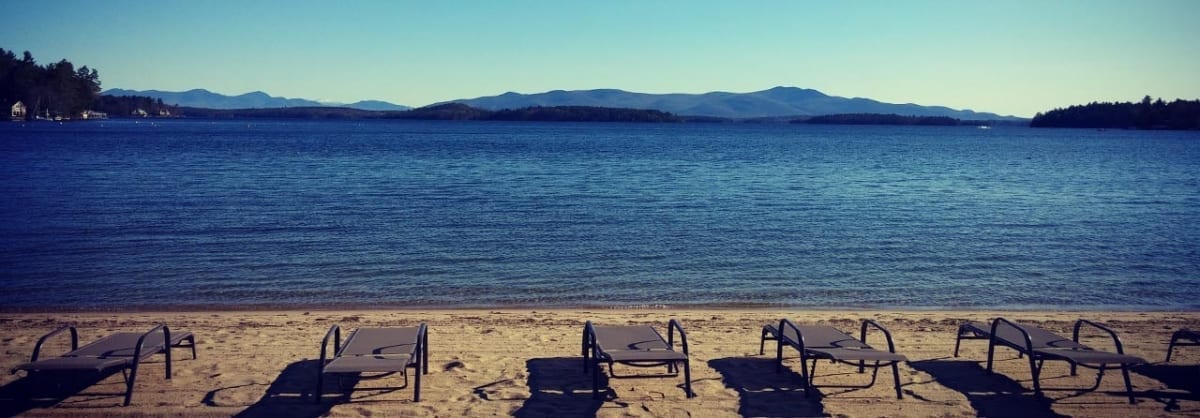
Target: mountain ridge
[[776, 102], [202, 98]]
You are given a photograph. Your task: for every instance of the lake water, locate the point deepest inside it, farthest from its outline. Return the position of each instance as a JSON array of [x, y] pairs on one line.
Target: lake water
[[159, 214]]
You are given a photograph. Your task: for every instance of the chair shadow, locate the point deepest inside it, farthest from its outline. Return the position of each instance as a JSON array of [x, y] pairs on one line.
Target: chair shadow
[[763, 392], [558, 387], [47, 389], [291, 393], [991, 394], [1177, 377]]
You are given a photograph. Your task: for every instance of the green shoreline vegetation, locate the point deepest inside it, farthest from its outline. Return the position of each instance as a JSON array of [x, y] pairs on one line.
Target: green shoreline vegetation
[[59, 91], [1157, 114]]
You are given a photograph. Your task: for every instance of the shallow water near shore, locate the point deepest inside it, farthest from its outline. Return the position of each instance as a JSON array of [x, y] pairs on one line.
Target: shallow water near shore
[[114, 214]]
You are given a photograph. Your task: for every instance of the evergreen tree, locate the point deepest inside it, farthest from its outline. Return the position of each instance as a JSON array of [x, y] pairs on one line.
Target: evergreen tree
[[57, 89]]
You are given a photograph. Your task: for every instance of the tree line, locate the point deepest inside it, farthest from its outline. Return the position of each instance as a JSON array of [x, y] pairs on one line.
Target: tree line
[[1148, 114], [134, 106], [879, 119], [59, 90], [53, 90]]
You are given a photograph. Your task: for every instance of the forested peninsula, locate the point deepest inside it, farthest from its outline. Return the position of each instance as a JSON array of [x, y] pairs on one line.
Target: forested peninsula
[[1148, 114]]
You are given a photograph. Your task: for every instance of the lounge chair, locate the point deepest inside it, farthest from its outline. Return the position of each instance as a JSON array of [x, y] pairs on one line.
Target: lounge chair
[[634, 345], [1041, 345], [1188, 337], [376, 350], [123, 350], [823, 342]]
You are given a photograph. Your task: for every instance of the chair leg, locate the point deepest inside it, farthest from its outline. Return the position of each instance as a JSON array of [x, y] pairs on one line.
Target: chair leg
[[129, 384], [1171, 346], [192, 342], [779, 356], [586, 361], [1128, 385], [991, 354], [896, 378], [168, 361], [596, 381], [1036, 372], [957, 341], [416, 382], [807, 373], [320, 384], [687, 378], [762, 342]]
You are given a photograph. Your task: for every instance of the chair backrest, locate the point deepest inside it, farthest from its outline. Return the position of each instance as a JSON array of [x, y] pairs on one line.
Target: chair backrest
[[121, 344], [631, 337], [1040, 338], [377, 341]]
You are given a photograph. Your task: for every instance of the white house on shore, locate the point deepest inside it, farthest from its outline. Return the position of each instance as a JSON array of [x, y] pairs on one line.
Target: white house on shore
[[19, 111]]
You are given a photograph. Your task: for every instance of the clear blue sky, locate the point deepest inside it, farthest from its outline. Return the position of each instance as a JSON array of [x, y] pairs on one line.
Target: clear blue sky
[[1008, 57]]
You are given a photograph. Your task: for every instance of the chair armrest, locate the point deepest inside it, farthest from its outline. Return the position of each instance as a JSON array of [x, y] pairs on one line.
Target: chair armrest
[[141, 341], [1116, 340], [996, 323], [423, 347], [589, 338], [886, 333], [336, 332], [139, 350], [589, 349], [37, 349], [671, 327], [784, 324]]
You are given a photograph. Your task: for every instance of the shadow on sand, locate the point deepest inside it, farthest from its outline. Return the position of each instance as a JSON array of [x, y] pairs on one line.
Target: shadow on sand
[[1182, 379], [291, 394], [47, 389], [991, 394], [763, 392], [559, 387]]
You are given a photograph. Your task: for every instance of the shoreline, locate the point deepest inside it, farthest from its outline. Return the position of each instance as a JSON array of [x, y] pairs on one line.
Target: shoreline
[[202, 308], [525, 362]]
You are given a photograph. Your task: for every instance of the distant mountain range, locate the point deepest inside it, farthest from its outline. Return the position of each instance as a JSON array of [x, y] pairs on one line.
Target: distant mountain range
[[254, 100], [773, 103], [778, 102]]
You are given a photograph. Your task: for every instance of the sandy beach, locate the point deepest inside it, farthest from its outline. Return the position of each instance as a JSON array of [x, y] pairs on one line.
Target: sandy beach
[[527, 363]]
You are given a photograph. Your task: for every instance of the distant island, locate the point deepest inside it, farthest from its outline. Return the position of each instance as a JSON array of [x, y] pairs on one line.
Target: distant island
[[885, 119], [449, 111], [1148, 114]]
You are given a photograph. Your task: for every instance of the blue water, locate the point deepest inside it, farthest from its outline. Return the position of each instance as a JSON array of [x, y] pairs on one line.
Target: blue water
[[161, 214]]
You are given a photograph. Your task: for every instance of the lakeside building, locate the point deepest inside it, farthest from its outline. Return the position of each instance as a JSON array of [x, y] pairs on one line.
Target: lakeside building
[[92, 114], [19, 111]]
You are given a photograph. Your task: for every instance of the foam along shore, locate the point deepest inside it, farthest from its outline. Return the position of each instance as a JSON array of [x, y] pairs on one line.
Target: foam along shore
[[528, 363]]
